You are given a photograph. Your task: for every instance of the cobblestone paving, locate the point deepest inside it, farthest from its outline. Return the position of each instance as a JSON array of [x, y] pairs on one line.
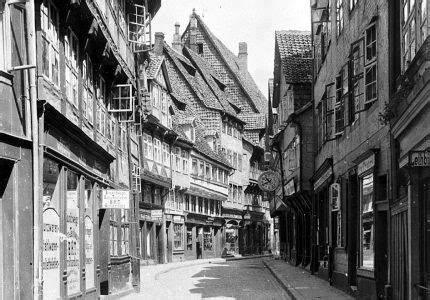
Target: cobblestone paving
[[244, 279]]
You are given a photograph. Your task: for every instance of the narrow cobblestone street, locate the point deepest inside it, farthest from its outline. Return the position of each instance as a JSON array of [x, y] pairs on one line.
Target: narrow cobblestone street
[[242, 279]]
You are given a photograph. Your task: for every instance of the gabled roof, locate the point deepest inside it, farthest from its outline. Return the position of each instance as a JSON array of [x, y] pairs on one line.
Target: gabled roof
[[295, 52], [254, 121], [196, 82], [155, 62], [208, 74], [243, 77]]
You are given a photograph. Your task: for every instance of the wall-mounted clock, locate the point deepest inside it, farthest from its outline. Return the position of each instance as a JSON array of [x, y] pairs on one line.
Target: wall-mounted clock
[[269, 181]]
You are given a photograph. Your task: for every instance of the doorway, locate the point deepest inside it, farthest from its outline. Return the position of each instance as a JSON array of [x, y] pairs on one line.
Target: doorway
[[199, 242], [159, 243]]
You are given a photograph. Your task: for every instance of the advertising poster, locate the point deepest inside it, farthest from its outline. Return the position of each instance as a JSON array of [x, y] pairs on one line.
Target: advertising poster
[[89, 253], [51, 254], [72, 223]]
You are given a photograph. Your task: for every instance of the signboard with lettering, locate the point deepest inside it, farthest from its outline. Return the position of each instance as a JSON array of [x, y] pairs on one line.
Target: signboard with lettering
[[326, 175], [116, 199], [51, 254], [290, 188], [157, 213], [72, 257], [366, 164], [419, 158]]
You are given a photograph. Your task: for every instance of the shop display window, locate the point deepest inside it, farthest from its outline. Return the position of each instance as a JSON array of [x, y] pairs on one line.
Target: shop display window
[[367, 222], [207, 239], [178, 237], [189, 238]]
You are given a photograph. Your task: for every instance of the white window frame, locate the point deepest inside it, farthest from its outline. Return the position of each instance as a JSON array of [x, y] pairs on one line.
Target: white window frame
[[121, 103]]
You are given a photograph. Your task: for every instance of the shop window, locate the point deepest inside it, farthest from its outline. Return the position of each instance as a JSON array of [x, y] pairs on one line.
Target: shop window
[[113, 240], [207, 239], [178, 237], [51, 228], [71, 53], [125, 235], [73, 235], [89, 235], [367, 222], [50, 41], [121, 99], [189, 238]]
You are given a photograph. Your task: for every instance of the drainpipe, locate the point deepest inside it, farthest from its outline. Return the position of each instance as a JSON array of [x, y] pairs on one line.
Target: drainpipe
[[31, 44]]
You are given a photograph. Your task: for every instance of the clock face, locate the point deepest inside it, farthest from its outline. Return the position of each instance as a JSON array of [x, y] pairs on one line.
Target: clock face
[[269, 181]]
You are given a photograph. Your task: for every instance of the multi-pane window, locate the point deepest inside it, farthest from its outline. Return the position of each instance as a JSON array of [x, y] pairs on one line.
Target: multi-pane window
[[193, 203], [178, 237], [329, 111], [187, 202], [214, 173], [50, 41], [341, 98], [136, 177], [367, 222], [121, 99], [157, 150], [137, 27], [147, 146], [185, 156], [87, 91], [414, 28], [71, 52], [339, 17], [370, 72], [200, 204], [102, 115], [125, 240], [201, 168], [166, 155], [357, 80], [208, 171]]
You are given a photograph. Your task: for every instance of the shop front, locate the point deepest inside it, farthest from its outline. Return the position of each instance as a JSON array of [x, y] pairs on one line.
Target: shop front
[[151, 235], [203, 236], [175, 232], [321, 252], [72, 235], [233, 231]]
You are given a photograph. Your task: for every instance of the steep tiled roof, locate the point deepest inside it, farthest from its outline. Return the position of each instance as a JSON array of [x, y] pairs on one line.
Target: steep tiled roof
[[203, 147], [196, 82], [242, 76], [154, 65], [254, 121], [295, 53], [208, 73]]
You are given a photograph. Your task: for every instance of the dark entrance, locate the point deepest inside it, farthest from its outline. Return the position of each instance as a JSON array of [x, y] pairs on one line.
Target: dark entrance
[[199, 242], [159, 243]]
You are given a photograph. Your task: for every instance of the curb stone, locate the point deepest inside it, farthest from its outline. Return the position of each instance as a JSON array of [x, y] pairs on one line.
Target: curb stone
[[290, 291]]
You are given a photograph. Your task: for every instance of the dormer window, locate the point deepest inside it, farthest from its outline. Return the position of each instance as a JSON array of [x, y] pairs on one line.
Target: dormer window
[[200, 48]]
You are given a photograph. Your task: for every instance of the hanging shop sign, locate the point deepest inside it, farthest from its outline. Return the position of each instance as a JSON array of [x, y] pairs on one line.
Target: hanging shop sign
[[269, 181], [366, 164], [156, 213], [116, 199], [419, 158], [326, 175], [290, 188], [335, 196]]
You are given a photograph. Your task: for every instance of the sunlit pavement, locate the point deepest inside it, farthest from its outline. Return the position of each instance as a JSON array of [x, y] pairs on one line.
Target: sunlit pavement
[[243, 279]]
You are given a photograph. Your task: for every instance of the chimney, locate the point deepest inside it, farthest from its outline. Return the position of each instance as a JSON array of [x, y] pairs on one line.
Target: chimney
[[243, 56], [177, 43], [193, 31], [159, 43]]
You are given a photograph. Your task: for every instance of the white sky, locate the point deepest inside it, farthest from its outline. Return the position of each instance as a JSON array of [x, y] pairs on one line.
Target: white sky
[[234, 21]]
